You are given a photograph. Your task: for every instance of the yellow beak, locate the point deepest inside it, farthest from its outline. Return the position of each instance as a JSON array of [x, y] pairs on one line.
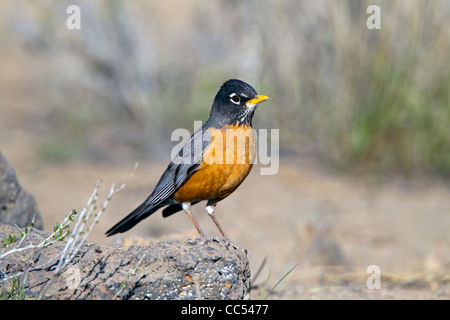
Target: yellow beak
[[259, 98]]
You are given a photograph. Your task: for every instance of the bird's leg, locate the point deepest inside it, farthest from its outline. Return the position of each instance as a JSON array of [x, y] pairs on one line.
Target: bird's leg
[[187, 208], [210, 210]]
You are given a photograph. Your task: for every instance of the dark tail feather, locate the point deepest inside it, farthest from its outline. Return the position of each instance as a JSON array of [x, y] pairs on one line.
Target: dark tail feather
[[139, 214], [174, 208]]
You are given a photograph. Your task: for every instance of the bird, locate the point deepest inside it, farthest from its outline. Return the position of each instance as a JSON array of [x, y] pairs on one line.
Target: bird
[[211, 165]]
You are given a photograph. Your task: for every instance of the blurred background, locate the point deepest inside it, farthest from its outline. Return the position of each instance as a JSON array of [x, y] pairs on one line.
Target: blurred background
[[363, 116]]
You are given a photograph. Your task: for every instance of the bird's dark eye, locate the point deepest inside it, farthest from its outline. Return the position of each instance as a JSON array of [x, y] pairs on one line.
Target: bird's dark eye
[[235, 98]]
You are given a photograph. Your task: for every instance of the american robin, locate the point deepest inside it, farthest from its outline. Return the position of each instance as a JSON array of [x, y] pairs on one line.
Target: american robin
[[211, 165]]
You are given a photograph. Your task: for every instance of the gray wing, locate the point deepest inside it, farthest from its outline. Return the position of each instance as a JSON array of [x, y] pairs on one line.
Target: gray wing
[[185, 163], [182, 167]]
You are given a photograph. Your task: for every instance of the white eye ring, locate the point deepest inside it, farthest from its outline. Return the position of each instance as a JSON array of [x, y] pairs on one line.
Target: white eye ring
[[235, 98]]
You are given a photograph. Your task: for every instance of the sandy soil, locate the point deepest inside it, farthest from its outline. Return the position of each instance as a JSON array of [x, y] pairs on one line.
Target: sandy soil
[[330, 227]]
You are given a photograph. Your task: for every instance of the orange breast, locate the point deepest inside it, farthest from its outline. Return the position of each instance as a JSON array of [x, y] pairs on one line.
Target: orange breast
[[226, 163]]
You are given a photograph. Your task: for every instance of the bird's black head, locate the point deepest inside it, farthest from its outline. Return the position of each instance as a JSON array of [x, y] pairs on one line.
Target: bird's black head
[[235, 104]]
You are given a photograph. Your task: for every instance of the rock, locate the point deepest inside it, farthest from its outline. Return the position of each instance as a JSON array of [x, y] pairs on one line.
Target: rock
[[17, 207], [177, 269]]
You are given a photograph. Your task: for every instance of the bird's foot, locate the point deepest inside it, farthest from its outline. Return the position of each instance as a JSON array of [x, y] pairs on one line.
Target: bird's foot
[[229, 243], [204, 239]]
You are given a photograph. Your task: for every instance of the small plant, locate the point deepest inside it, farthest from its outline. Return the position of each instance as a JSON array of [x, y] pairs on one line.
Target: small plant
[[273, 288], [124, 283], [7, 241], [16, 292], [74, 230]]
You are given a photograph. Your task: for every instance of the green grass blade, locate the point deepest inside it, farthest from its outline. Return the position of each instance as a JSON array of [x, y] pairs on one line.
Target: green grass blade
[[265, 285], [279, 281]]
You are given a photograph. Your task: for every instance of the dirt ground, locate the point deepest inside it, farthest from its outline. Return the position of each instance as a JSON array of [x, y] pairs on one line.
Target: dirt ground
[[330, 227]]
